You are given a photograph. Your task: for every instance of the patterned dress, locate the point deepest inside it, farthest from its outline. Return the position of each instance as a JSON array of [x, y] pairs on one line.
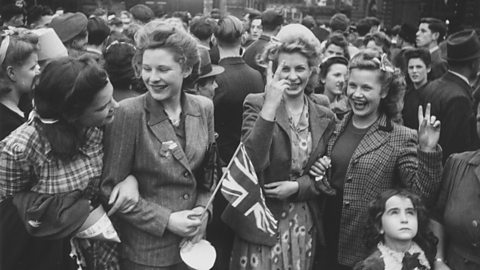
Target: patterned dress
[[296, 232]]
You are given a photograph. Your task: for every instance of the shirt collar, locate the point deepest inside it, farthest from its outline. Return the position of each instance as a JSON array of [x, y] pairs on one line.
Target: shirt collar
[[432, 50], [93, 50]]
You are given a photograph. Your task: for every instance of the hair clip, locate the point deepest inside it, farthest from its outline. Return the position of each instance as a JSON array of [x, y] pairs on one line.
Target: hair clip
[[385, 65], [116, 42]]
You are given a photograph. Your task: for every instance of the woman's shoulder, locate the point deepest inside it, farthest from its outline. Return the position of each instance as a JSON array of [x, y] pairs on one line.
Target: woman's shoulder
[[200, 100], [402, 132], [22, 140]]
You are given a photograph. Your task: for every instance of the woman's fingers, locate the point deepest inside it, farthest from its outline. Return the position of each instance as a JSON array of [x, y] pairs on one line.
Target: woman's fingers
[[113, 195], [276, 76]]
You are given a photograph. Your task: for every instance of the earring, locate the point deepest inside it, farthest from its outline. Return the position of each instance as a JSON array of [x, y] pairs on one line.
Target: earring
[[382, 231]]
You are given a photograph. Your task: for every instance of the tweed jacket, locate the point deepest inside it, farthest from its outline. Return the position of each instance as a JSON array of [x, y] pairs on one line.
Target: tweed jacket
[[452, 103], [142, 142], [268, 146], [387, 157]]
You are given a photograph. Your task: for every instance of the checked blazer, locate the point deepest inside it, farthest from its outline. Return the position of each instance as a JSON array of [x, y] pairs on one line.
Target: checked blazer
[[387, 157]]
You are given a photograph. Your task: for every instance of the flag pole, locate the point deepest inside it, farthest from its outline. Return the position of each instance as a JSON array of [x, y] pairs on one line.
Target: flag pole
[[210, 200]]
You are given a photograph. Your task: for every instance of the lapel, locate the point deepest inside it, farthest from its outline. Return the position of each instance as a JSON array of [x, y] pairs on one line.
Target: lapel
[[158, 122], [475, 161], [281, 117], [319, 124], [376, 136]]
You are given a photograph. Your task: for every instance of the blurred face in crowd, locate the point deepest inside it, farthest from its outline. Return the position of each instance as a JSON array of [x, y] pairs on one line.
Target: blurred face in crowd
[[162, 74], [418, 72], [24, 75], [207, 87], [101, 111], [374, 46], [335, 80], [425, 37], [399, 221], [296, 71], [256, 29], [364, 91], [16, 21], [333, 50]]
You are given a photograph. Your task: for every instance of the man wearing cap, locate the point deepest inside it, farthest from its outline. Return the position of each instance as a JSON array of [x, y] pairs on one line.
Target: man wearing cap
[[141, 14], [451, 95], [271, 23], [430, 32], [71, 28], [205, 84]]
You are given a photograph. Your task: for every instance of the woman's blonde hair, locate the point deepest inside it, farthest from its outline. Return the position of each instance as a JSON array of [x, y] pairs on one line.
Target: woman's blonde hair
[[296, 39], [391, 79]]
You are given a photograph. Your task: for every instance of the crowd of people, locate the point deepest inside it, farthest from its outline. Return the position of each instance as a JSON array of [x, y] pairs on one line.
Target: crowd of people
[[364, 141]]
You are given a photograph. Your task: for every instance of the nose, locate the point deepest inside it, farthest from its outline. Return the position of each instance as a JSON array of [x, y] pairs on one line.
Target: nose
[[403, 217], [115, 104], [292, 75], [154, 76], [215, 85]]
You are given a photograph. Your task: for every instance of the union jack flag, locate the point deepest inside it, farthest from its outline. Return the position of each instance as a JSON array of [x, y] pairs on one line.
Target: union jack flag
[[240, 188]]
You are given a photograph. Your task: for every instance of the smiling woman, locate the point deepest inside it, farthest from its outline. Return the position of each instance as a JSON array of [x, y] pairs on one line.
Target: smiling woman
[[162, 138]]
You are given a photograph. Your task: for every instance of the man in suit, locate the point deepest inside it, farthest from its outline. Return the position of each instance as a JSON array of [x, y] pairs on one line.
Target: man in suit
[[431, 32], [271, 23], [451, 95]]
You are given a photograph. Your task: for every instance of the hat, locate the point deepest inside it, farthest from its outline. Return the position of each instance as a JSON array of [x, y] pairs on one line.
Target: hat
[[98, 30], [69, 25], [142, 13], [408, 33], [463, 46], [52, 216], [50, 46], [206, 67]]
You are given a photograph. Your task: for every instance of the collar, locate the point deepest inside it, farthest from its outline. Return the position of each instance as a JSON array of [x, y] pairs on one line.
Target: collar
[[157, 112], [200, 45], [465, 79], [265, 37], [93, 50], [393, 259], [233, 60], [432, 50]]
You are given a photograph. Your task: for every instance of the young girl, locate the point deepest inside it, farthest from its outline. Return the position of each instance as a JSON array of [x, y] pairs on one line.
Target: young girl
[[397, 227]]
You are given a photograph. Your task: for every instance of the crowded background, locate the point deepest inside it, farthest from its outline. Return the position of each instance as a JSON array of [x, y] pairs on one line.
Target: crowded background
[[320, 135]]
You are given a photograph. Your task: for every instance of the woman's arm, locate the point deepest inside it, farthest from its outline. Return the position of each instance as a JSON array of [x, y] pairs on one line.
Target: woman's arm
[[437, 229]]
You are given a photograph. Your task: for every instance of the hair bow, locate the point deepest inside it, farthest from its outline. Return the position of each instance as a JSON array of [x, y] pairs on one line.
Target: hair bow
[[385, 65]]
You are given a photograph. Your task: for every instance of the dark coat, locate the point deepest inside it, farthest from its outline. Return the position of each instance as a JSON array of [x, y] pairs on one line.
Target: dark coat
[[255, 51], [452, 103], [439, 65], [268, 145]]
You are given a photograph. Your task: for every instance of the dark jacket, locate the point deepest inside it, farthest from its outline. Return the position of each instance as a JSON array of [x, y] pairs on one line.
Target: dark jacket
[[452, 103], [439, 65], [234, 84], [255, 51], [268, 145]]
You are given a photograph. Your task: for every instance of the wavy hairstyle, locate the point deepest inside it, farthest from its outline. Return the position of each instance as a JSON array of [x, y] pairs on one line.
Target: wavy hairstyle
[[66, 87], [159, 34], [424, 238], [21, 46], [391, 79], [295, 38]]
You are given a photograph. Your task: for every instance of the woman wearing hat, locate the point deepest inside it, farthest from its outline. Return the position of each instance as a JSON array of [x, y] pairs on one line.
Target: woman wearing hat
[[58, 155], [369, 153], [71, 28], [162, 138], [284, 131]]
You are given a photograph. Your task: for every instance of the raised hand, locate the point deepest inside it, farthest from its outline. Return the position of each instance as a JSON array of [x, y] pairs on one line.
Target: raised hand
[[273, 91], [428, 130]]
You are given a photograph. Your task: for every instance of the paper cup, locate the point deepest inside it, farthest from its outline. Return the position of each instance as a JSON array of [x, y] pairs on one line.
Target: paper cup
[[199, 256], [51, 46], [98, 226]]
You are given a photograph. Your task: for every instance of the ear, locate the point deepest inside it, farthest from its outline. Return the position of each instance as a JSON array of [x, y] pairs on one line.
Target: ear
[[429, 68], [436, 35], [11, 74], [186, 72]]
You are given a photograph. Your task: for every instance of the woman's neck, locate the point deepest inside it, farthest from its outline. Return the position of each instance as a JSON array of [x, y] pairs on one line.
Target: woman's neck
[[399, 246], [172, 106], [11, 101], [331, 96], [294, 103], [362, 122]]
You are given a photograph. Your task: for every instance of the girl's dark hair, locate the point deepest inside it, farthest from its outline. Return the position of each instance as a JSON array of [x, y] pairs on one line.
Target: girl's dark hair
[[424, 238], [392, 81], [21, 46], [327, 63], [66, 87], [380, 39]]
